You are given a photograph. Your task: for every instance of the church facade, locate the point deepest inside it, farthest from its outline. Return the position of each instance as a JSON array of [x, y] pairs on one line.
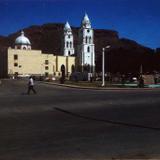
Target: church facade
[[22, 60]]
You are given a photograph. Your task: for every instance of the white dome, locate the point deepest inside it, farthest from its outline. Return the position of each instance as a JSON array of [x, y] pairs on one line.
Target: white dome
[[22, 40]]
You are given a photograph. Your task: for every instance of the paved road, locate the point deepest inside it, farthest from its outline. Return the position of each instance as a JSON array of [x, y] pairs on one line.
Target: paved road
[[64, 123]]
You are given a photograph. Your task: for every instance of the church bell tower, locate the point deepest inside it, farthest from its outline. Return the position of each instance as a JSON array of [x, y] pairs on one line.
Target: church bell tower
[[86, 52], [68, 48]]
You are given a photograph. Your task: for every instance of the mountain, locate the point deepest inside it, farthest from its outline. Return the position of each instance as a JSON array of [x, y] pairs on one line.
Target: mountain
[[124, 56]]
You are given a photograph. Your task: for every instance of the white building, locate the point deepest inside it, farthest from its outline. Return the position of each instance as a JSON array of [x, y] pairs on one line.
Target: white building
[[68, 44], [86, 52]]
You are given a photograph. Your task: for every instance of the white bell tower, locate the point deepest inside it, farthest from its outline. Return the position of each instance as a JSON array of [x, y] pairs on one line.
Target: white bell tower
[[86, 45], [68, 44]]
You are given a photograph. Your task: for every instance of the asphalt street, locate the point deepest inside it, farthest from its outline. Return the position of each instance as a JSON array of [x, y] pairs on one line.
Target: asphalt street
[[69, 123]]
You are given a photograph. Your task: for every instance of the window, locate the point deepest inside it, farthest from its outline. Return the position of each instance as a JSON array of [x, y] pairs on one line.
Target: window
[[88, 30], [69, 36], [86, 39], [46, 67], [90, 39], [69, 53], [46, 61], [70, 44], [88, 49], [67, 44], [15, 64], [15, 57]]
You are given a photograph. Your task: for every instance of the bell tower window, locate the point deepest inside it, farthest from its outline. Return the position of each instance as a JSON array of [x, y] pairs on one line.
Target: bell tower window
[[88, 49], [67, 44], [90, 39], [86, 39]]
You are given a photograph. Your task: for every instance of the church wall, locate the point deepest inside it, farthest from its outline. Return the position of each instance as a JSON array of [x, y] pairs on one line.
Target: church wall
[[48, 64], [27, 62], [61, 60], [71, 61]]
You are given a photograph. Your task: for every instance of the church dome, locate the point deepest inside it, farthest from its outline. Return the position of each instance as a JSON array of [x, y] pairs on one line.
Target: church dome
[[22, 40]]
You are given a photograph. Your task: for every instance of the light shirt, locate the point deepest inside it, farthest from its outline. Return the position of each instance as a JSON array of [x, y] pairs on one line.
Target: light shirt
[[31, 82]]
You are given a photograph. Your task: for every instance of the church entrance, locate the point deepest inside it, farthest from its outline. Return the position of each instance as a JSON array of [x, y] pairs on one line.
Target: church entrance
[[63, 73]]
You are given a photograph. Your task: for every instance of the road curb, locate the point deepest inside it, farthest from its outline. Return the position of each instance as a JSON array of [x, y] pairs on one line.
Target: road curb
[[97, 88]]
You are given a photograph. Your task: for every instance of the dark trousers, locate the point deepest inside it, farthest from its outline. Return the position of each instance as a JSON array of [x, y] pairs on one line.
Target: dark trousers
[[31, 88]]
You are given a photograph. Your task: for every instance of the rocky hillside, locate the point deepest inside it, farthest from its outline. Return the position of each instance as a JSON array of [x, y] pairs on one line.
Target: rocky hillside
[[125, 55]]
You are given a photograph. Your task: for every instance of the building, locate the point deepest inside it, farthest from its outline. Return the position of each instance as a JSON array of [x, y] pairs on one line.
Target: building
[[22, 60], [68, 45], [86, 54]]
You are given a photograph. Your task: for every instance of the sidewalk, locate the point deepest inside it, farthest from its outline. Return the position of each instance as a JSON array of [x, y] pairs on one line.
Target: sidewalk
[[113, 87]]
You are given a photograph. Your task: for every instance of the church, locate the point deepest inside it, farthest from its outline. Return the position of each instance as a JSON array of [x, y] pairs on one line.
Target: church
[[22, 60]]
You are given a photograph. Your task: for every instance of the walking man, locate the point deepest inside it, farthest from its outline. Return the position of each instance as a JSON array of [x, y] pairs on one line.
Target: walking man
[[31, 85]]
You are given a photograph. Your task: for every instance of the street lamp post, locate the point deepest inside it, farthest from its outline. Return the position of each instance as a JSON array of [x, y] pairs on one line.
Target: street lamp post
[[103, 64]]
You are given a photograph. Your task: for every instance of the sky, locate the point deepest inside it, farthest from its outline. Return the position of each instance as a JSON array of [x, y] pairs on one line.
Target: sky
[[137, 20]]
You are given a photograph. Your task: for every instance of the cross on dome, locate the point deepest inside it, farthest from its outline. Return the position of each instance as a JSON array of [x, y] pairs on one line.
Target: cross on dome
[[22, 33]]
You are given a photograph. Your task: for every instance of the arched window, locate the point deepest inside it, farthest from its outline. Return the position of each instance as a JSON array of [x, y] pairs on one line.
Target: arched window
[[70, 44], [86, 39], [67, 44], [88, 49], [69, 53], [90, 39]]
